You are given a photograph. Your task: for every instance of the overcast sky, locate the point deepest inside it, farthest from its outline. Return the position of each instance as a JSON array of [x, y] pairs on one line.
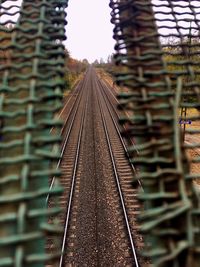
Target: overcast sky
[[89, 31]]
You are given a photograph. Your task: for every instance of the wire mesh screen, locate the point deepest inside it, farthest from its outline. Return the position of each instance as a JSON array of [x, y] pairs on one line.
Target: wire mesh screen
[[31, 72], [158, 49]]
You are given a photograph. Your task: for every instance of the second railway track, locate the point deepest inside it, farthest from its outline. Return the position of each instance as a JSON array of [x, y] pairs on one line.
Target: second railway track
[[99, 203]]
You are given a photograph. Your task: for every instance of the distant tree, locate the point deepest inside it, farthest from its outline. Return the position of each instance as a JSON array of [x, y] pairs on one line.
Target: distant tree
[[73, 68], [85, 61], [177, 52], [67, 53], [108, 59], [102, 61], [96, 62]]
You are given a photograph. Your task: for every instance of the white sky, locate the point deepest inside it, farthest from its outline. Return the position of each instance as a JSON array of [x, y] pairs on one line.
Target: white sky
[[89, 30]]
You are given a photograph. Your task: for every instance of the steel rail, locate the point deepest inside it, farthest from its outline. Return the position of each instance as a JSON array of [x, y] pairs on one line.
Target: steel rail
[[75, 168], [69, 113], [67, 102], [106, 98], [120, 137], [118, 183], [67, 135], [103, 85]]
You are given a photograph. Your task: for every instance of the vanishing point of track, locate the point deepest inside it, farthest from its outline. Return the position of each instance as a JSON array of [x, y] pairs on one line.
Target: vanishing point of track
[[91, 115]]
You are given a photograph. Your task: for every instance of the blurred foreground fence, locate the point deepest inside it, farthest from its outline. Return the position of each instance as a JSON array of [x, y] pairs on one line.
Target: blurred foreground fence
[[158, 49], [31, 83]]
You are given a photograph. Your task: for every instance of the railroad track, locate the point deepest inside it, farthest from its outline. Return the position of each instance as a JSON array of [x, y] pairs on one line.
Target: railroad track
[[98, 199], [69, 103], [70, 116], [114, 103], [69, 158], [123, 170], [72, 163]]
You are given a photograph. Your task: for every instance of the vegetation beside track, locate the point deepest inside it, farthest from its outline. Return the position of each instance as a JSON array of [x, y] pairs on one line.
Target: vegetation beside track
[[73, 70], [73, 67]]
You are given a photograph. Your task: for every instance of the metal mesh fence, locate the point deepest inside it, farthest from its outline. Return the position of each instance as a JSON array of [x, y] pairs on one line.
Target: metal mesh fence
[[31, 72], [158, 49]]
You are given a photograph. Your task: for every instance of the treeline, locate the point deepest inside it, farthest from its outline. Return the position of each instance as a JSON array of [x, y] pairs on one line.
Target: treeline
[[182, 58], [108, 65], [73, 68]]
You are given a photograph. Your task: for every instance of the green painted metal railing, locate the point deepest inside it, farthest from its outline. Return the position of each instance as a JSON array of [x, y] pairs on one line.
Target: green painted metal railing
[[158, 49], [31, 83]]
